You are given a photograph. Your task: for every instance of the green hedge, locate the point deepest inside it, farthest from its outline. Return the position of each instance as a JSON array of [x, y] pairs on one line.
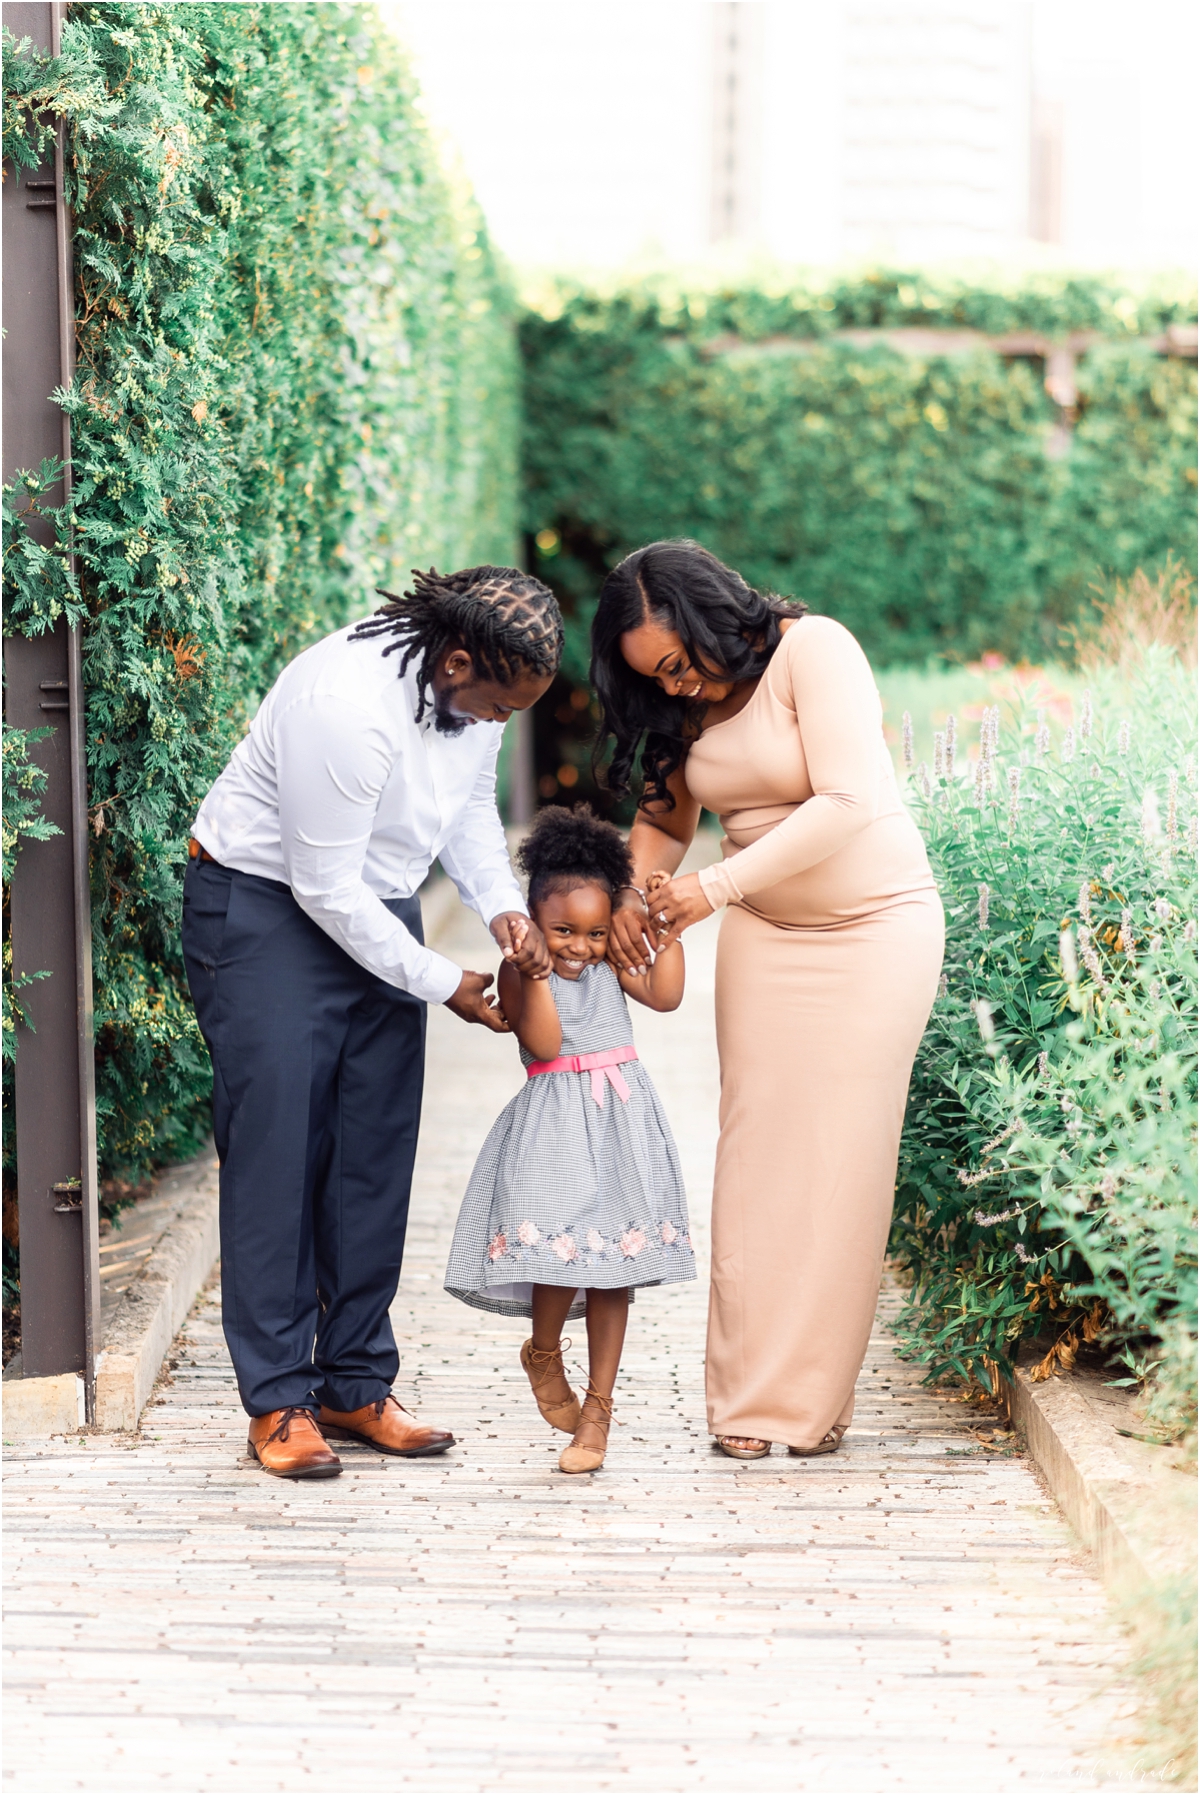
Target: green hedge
[[297, 379], [912, 497], [1047, 1180]]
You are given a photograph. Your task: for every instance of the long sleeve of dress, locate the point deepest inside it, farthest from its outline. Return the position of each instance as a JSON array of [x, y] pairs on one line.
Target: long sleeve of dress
[[838, 716]]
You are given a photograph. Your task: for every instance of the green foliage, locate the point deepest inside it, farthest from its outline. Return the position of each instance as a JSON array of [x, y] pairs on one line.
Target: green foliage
[[1048, 1168], [24, 782], [39, 584], [39, 94], [1128, 497], [296, 379], [914, 496]]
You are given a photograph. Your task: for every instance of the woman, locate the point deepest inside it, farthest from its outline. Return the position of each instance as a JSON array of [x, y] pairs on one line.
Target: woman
[[827, 967]]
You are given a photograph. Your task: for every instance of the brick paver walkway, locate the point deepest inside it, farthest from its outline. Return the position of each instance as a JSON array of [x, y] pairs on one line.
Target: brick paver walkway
[[910, 1614]]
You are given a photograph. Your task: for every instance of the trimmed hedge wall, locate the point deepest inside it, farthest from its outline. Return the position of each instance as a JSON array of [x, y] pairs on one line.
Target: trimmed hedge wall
[[912, 496], [297, 379]]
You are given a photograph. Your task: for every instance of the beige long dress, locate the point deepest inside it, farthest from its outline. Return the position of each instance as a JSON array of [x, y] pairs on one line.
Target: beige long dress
[[827, 968]]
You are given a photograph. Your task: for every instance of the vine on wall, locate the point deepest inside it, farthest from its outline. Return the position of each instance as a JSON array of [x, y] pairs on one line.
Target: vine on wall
[[296, 380]]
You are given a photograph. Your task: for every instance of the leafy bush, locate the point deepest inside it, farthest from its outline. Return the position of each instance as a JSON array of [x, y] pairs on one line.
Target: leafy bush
[[296, 379], [912, 496], [1048, 1168]]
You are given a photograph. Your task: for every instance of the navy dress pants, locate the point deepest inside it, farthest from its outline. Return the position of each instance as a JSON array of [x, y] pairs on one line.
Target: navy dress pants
[[317, 1075]]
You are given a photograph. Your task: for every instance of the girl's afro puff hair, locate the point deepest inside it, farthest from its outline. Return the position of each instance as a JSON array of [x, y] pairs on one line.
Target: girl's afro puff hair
[[573, 847]]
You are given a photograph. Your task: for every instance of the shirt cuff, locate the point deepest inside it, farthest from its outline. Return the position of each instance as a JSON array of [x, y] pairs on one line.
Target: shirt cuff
[[440, 980], [718, 884]]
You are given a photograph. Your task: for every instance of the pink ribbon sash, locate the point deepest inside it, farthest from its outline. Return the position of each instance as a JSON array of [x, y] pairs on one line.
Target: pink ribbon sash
[[601, 1066]]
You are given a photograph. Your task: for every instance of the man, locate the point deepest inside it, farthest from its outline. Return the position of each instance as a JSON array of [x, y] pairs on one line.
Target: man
[[305, 957]]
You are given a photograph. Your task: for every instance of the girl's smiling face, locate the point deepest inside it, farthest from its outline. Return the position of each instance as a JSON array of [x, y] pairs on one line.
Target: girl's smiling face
[[575, 922]]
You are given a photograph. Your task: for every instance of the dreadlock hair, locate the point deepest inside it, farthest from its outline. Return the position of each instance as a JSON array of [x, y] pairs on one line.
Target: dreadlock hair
[[566, 848], [727, 629], [507, 621]]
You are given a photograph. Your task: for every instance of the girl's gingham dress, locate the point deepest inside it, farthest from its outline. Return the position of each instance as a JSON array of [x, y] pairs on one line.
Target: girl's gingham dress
[[570, 1192]]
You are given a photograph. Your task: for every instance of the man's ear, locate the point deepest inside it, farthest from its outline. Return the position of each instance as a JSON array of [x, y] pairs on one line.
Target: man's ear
[[458, 662]]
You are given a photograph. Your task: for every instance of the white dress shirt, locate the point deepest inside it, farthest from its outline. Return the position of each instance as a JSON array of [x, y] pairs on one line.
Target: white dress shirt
[[338, 792]]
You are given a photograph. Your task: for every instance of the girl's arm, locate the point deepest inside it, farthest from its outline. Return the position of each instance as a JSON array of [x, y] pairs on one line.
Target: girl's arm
[[662, 987], [658, 842], [531, 1012]]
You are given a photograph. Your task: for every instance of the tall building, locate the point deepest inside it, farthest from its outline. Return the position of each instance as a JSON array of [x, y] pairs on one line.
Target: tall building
[[600, 131], [736, 119]]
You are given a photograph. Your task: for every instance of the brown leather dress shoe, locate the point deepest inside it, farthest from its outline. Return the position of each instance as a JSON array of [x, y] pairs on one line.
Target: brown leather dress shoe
[[288, 1443], [387, 1427]]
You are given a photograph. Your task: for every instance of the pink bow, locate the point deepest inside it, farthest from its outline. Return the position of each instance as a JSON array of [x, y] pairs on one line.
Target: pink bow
[[601, 1066]]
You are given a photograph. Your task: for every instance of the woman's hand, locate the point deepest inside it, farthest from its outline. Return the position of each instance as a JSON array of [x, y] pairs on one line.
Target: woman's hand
[[630, 944], [675, 906]]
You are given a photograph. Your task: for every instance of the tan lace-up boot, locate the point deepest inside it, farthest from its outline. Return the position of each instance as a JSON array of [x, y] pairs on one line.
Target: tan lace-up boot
[[544, 1370], [596, 1413]]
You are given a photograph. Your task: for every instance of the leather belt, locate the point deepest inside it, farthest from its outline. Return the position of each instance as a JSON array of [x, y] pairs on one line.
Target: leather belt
[[196, 852]]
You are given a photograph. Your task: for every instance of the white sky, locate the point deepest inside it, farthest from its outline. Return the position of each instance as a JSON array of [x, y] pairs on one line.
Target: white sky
[[584, 124]]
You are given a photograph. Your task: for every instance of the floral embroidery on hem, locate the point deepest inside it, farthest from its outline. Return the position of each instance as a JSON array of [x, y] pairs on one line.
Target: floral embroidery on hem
[[530, 1243]]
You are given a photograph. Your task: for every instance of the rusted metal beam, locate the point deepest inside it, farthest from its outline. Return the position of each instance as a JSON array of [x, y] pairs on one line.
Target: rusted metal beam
[[50, 897]]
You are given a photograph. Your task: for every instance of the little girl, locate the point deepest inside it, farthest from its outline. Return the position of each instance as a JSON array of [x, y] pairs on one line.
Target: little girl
[[577, 1188]]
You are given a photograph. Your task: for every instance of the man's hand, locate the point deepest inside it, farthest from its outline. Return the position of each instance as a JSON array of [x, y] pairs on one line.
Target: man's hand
[[472, 1005], [629, 941], [522, 943]]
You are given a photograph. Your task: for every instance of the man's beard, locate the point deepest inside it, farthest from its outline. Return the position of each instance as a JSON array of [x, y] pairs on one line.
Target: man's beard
[[444, 719]]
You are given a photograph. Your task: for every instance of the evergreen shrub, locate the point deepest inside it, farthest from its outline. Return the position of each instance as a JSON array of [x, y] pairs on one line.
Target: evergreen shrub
[[1047, 1183], [916, 497], [296, 380]]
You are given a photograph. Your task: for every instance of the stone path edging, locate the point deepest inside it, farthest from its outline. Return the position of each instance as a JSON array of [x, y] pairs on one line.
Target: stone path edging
[[156, 1304], [1129, 1504], [139, 1331]]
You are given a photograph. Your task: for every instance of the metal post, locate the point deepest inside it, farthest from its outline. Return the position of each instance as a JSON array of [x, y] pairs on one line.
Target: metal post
[[50, 898]]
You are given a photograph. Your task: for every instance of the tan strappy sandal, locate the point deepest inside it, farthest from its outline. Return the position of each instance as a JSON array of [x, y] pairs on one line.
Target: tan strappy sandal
[[830, 1443], [739, 1446], [576, 1458], [540, 1368]]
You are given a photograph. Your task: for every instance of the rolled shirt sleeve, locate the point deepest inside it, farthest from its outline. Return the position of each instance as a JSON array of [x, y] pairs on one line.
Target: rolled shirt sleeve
[[838, 716], [332, 763]]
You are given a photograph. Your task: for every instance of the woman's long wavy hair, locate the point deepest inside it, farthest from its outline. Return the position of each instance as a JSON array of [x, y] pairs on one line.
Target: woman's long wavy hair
[[728, 629]]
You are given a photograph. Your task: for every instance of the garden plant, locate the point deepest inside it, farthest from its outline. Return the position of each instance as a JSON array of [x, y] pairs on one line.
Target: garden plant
[[1047, 1187]]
